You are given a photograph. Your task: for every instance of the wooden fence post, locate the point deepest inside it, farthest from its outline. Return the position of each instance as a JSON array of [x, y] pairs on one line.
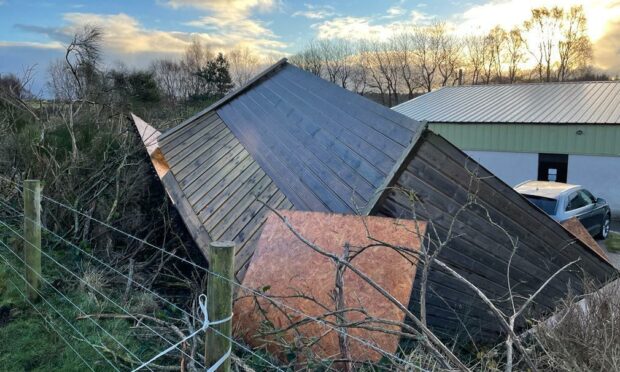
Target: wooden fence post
[[32, 235], [219, 302]]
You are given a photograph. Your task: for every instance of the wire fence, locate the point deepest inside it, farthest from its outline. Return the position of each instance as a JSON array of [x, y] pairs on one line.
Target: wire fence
[[170, 343]]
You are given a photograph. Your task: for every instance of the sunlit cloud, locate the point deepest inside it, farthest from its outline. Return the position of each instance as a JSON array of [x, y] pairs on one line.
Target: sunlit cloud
[[315, 12], [603, 23], [379, 27], [228, 24]]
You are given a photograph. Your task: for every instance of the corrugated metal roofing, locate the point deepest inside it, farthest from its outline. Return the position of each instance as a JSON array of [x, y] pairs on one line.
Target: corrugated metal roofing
[[554, 103]]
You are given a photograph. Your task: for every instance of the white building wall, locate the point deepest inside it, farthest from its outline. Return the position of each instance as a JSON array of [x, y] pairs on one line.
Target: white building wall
[[511, 167], [599, 174]]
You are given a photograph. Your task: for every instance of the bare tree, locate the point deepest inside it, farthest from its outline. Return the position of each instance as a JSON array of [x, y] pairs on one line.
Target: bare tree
[[428, 50], [194, 60], [359, 72], [83, 53], [475, 55], [574, 47], [405, 58], [309, 59], [544, 26], [244, 64], [169, 77], [515, 51], [371, 55], [450, 58], [497, 39], [336, 57]]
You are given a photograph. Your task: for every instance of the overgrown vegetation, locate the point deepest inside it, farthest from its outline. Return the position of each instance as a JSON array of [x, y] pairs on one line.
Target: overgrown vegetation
[[80, 144]]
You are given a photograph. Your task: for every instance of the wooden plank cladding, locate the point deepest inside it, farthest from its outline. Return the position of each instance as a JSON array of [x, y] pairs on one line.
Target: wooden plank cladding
[[329, 150], [222, 183], [290, 140], [443, 179]]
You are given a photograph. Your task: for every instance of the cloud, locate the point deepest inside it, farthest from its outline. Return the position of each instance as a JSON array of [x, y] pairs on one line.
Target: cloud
[[395, 11], [126, 39], [315, 12], [603, 23], [31, 44], [231, 23], [378, 27], [236, 7]]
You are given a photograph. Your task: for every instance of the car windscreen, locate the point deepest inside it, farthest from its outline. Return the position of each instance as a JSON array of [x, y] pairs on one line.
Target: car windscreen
[[548, 205]]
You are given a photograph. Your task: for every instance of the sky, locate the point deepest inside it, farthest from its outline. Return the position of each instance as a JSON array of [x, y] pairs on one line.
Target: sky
[[34, 32]]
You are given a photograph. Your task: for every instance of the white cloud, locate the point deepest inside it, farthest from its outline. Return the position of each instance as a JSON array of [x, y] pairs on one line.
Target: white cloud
[[315, 12], [126, 39], [395, 11], [29, 44], [239, 7], [231, 23], [379, 27]]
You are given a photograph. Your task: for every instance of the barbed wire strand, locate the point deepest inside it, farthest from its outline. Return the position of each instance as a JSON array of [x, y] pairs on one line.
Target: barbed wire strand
[[103, 295], [251, 290], [7, 262], [145, 288], [51, 325]]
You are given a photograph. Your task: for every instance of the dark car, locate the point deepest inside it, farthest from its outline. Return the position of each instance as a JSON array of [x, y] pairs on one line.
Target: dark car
[[562, 201]]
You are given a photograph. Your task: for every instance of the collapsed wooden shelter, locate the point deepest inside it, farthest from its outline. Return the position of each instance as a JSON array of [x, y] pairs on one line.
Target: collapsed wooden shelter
[[292, 141]]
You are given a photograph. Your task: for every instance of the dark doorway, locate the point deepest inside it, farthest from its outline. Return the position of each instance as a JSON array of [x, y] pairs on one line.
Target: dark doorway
[[553, 167]]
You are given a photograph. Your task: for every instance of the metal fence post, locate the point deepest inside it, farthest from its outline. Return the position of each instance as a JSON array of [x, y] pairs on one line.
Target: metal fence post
[[32, 235], [219, 302]]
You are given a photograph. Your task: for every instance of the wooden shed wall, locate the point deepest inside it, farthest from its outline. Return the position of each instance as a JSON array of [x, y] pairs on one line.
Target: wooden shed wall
[[221, 182], [439, 174]]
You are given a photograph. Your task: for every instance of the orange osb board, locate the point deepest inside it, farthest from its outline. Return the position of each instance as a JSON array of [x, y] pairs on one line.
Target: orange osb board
[[576, 228], [284, 266]]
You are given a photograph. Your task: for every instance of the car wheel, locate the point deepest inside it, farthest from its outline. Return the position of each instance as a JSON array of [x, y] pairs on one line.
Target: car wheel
[[604, 233]]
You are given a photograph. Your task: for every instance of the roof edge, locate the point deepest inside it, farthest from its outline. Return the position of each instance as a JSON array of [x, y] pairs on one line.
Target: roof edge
[[226, 98], [396, 169]]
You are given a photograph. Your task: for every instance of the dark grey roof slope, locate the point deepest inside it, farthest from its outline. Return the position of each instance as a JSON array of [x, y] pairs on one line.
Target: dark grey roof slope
[[553, 103], [289, 139], [328, 149]]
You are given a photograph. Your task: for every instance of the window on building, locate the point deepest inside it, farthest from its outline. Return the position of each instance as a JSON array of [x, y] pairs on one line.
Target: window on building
[[553, 167]]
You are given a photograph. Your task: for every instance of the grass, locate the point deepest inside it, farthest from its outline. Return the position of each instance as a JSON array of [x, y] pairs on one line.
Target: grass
[[28, 342], [613, 242]]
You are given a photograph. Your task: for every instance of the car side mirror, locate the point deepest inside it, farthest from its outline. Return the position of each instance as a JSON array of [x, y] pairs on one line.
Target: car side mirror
[[599, 201]]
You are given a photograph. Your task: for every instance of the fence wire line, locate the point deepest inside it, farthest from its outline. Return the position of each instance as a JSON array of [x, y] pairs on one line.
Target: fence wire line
[[51, 325], [7, 262], [193, 264], [133, 281], [71, 302], [101, 294], [206, 324]]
